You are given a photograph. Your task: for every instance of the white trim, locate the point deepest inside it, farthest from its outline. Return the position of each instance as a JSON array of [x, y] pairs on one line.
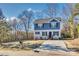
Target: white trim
[[52, 19], [47, 30], [45, 37]]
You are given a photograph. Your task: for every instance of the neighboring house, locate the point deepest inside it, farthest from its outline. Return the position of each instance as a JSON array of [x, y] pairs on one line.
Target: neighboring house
[[47, 28]]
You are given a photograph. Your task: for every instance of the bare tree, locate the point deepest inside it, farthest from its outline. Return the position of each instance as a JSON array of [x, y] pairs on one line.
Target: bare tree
[[26, 18], [13, 24], [67, 12], [52, 9], [41, 14]]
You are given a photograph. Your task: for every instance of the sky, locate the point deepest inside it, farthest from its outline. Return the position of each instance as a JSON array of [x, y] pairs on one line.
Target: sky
[[12, 9]]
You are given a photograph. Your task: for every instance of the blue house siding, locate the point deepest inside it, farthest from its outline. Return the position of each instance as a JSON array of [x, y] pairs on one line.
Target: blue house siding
[[51, 27], [47, 26]]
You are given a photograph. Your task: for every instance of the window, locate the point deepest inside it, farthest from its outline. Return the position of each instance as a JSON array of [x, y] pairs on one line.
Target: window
[[39, 25], [53, 25], [43, 26], [44, 33], [57, 24], [37, 32], [56, 33]]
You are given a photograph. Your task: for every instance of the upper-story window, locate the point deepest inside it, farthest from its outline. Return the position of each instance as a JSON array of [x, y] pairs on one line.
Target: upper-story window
[[53, 24], [39, 25]]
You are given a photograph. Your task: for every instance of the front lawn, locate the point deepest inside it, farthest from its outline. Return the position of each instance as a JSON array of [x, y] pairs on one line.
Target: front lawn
[[28, 44]]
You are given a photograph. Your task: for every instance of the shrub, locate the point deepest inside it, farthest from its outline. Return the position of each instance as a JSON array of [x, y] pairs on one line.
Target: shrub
[[66, 35]]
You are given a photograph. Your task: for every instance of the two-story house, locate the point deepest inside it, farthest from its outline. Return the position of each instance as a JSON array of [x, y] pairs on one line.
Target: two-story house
[[47, 28]]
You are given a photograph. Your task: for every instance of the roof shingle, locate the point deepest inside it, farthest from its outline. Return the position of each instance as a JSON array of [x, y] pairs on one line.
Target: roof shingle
[[40, 21]]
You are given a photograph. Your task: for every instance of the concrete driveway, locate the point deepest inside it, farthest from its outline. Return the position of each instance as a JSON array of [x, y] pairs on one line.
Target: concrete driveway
[[53, 45], [59, 43]]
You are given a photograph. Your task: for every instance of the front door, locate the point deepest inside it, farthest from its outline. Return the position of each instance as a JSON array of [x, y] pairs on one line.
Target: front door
[[50, 34], [56, 34]]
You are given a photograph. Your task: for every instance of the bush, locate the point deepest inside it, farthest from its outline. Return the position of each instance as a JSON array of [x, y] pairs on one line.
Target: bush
[[66, 35]]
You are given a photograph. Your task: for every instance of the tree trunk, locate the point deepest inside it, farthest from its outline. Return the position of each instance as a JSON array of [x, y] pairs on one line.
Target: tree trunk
[[26, 31], [72, 27]]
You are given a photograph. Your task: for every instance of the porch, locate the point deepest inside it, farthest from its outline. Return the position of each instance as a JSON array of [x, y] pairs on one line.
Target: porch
[[47, 34]]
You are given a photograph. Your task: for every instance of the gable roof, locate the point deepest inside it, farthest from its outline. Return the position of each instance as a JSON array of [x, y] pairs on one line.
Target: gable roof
[[40, 21]]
